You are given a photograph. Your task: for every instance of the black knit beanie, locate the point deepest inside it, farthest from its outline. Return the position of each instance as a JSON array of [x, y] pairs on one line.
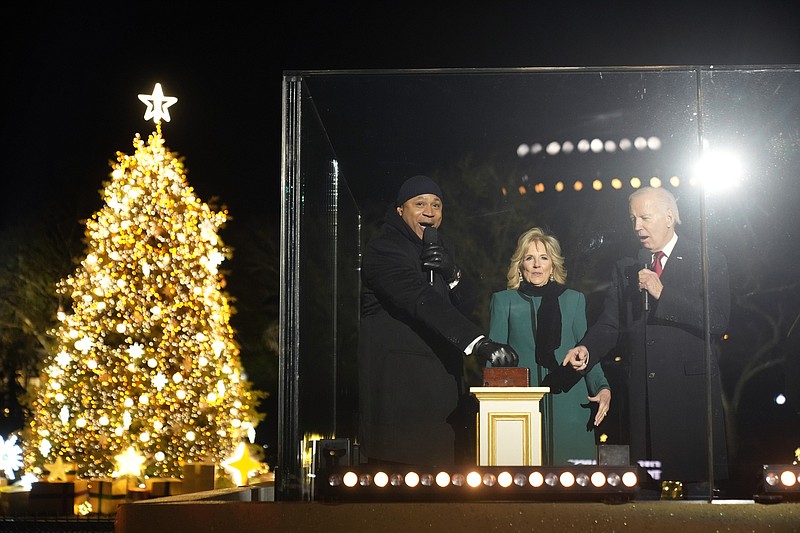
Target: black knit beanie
[[415, 186]]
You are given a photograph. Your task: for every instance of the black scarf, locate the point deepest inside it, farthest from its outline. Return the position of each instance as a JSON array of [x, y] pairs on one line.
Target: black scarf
[[547, 327]]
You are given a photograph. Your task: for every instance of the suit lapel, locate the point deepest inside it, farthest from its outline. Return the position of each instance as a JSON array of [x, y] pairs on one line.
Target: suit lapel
[[684, 255]]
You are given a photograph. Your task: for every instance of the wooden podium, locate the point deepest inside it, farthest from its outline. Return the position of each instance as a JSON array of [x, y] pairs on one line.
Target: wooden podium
[[509, 419]]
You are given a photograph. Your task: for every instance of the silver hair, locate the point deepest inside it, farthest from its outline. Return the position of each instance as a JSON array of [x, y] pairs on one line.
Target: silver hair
[[662, 197]]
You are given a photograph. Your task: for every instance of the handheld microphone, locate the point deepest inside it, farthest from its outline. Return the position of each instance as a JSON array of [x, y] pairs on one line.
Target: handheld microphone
[[645, 257], [430, 236]]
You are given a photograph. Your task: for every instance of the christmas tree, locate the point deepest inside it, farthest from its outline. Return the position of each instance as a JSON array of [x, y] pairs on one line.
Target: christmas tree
[[145, 362]]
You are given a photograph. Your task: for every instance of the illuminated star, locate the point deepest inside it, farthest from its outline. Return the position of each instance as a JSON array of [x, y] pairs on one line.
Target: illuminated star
[[136, 350], [84, 344], [241, 464], [63, 358], [129, 462], [10, 456], [159, 381], [58, 471], [157, 104]]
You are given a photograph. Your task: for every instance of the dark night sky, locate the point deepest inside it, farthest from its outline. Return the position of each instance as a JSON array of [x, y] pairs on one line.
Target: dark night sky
[[71, 74]]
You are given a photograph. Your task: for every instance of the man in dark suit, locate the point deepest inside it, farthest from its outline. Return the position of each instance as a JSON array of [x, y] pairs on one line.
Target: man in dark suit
[[654, 313], [413, 337]]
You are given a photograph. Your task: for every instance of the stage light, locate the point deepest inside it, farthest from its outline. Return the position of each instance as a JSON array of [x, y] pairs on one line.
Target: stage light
[[381, 479], [779, 483], [412, 479], [719, 170], [489, 483], [629, 479]]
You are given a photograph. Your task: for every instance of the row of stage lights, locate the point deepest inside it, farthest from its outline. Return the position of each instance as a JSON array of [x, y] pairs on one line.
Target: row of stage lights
[[716, 170], [780, 483], [595, 146], [597, 185], [479, 483]]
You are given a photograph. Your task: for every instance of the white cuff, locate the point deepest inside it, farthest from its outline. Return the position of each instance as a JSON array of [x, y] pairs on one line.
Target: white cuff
[[471, 346]]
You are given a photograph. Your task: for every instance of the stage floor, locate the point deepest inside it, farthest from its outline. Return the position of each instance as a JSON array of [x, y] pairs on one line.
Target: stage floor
[[461, 517]]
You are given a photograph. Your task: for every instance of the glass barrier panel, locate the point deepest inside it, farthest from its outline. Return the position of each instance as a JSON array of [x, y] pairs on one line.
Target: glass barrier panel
[[561, 149]]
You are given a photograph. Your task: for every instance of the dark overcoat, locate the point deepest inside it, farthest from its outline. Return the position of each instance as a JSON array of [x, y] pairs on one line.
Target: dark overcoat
[[411, 352], [665, 357]]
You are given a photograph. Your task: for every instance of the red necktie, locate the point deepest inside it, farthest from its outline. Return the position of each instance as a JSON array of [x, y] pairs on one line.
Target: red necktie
[[657, 262]]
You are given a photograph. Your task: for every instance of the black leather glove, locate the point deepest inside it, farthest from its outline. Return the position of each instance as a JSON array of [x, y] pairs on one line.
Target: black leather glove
[[435, 257], [498, 354]]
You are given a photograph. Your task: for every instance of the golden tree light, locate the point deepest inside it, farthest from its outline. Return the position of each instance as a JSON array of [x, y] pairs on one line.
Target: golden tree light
[[130, 462], [57, 470]]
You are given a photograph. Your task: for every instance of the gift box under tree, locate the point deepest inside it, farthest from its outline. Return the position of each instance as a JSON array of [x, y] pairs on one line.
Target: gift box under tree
[[14, 500], [136, 494], [57, 497], [164, 486], [106, 494], [198, 477]]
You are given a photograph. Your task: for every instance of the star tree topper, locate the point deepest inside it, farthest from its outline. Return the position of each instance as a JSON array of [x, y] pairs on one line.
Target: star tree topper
[[157, 104]]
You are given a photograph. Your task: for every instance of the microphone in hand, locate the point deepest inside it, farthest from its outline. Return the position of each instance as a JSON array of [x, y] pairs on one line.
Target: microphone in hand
[[435, 258], [645, 257], [496, 353]]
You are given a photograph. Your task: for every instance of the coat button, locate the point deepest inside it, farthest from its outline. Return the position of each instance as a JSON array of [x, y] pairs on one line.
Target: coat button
[[651, 375], [650, 342]]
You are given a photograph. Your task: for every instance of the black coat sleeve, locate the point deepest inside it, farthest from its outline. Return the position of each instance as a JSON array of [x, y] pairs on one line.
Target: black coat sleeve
[[392, 269]]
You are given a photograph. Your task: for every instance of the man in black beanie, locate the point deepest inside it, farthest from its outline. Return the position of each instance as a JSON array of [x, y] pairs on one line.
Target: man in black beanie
[[414, 336]]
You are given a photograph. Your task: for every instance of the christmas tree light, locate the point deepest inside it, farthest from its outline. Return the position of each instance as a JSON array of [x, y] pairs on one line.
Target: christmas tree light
[[10, 456], [145, 358], [241, 464]]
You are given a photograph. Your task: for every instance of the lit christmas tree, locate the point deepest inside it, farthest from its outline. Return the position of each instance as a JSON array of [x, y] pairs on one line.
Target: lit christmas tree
[[145, 362]]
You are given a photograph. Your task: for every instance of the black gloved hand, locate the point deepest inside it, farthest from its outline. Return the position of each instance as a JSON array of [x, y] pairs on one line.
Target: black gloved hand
[[435, 257], [498, 354]]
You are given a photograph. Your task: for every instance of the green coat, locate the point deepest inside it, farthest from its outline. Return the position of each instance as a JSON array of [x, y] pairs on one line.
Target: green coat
[[564, 435]]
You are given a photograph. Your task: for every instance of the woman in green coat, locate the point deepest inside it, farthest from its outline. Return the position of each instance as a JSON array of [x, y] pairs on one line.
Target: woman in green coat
[[542, 319]]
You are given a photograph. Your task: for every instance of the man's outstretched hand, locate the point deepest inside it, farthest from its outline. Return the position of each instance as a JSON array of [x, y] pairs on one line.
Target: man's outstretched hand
[[578, 357]]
